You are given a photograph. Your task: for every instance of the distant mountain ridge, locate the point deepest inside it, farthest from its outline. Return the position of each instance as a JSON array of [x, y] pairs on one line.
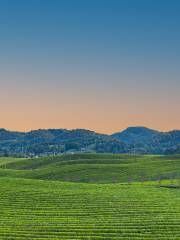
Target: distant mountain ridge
[[56, 141], [145, 140], [136, 134], [42, 142]]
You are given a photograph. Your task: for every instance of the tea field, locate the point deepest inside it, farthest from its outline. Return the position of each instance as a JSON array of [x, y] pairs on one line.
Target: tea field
[[90, 196]]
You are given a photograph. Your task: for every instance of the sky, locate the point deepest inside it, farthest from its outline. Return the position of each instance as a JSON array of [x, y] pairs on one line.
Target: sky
[[102, 65]]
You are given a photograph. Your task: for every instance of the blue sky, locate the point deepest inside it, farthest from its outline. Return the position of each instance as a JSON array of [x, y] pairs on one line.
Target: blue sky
[[115, 60]]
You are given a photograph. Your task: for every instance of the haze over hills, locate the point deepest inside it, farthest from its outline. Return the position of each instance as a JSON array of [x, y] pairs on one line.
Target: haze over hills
[[139, 140]]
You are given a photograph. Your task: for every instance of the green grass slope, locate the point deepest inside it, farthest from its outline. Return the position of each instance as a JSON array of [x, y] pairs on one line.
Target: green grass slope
[[8, 160], [95, 168], [35, 209], [129, 205]]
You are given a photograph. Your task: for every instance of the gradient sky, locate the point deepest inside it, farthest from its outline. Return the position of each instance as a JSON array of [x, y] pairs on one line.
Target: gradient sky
[[103, 65]]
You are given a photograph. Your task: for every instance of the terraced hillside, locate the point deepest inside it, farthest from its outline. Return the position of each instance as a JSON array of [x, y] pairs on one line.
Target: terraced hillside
[[97, 168], [93, 197]]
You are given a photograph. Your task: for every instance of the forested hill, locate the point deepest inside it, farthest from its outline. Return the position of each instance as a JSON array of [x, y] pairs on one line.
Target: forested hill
[[137, 140], [145, 140], [56, 141]]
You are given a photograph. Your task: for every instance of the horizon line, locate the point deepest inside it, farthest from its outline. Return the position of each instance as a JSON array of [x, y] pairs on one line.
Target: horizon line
[[71, 129]]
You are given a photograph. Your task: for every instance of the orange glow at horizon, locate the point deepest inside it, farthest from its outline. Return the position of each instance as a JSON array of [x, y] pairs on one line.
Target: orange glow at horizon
[[92, 102], [92, 115]]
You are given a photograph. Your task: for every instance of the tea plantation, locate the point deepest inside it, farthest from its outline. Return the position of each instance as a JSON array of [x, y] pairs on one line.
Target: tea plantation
[[90, 196]]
